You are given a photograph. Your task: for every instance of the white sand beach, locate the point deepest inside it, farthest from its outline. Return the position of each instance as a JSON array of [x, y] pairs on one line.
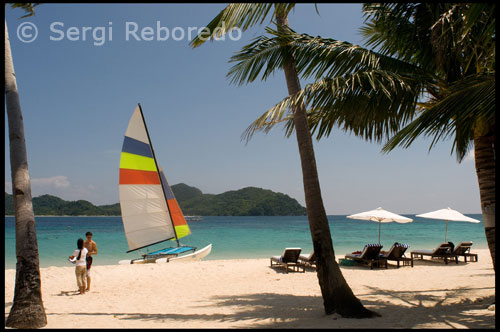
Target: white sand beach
[[247, 293]]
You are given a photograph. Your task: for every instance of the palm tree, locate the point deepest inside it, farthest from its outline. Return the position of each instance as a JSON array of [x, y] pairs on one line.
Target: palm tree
[[27, 310], [462, 40], [433, 75], [337, 295]]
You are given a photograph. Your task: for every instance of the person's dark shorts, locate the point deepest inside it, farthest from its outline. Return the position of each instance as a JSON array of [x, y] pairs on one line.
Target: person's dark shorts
[[89, 262]]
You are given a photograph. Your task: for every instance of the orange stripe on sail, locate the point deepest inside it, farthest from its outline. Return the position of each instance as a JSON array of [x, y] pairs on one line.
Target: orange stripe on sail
[[132, 176], [176, 213], [180, 224]]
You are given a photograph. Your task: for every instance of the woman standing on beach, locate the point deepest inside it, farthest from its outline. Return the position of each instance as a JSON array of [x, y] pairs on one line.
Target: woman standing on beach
[[81, 265]]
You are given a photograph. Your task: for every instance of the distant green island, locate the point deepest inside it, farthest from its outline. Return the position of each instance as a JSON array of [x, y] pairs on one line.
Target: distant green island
[[249, 201]]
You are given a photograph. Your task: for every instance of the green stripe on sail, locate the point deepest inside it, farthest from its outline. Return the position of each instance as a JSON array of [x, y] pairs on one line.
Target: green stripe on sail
[[134, 161]]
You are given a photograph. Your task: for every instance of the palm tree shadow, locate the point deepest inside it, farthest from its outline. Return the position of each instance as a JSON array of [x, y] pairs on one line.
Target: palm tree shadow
[[270, 310], [281, 270], [68, 293], [434, 308]]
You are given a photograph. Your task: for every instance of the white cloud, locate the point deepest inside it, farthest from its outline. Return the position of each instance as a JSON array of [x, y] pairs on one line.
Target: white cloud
[[59, 181], [40, 186], [60, 186]]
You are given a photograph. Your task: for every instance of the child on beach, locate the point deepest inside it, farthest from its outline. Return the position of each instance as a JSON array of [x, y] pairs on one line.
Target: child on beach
[[81, 264]]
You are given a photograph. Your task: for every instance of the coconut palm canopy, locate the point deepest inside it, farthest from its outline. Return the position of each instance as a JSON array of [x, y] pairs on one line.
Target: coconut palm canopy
[[410, 87]]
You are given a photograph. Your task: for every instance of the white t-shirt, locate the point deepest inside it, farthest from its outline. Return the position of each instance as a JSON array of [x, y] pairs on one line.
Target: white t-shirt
[[82, 261]]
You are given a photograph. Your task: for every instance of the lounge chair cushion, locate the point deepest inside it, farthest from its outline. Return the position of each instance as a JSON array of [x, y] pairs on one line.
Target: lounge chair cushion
[[367, 251], [290, 255], [462, 248], [396, 252], [289, 258]]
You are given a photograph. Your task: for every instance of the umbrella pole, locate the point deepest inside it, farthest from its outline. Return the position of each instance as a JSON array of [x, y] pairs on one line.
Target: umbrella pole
[[379, 223], [446, 232]]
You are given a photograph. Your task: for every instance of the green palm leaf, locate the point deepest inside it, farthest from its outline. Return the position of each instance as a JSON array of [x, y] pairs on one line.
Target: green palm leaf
[[238, 15], [29, 8], [470, 102], [313, 56], [352, 102], [373, 94]]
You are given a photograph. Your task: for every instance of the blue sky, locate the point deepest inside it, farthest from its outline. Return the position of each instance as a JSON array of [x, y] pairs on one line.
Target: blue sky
[[77, 98]]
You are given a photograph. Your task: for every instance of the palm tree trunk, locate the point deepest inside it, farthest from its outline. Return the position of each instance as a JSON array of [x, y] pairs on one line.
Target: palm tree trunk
[[484, 155], [337, 295], [27, 310]]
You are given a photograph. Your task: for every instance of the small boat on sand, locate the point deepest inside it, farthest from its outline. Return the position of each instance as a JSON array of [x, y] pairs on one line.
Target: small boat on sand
[[150, 212]]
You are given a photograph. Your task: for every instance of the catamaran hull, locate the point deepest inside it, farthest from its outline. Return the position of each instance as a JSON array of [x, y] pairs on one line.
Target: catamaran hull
[[136, 261], [195, 256]]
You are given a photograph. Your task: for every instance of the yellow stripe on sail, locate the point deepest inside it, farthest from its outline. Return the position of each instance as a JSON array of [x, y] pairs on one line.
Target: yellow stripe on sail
[[134, 161], [182, 230]]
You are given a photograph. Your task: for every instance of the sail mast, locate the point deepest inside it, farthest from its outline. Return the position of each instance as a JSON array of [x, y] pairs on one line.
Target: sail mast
[[158, 171]]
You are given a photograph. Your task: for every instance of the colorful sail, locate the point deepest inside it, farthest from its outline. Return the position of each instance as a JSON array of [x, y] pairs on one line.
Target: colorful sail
[[145, 214], [180, 224]]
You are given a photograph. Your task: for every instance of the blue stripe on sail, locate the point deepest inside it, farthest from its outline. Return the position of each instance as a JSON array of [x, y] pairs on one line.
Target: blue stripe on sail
[[134, 146], [168, 191]]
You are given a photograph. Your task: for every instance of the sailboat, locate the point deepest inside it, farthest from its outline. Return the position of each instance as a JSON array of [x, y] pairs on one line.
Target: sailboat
[[150, 212]]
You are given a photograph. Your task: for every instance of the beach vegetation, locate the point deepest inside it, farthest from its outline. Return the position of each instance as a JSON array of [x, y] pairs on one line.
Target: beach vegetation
[[249, 201]]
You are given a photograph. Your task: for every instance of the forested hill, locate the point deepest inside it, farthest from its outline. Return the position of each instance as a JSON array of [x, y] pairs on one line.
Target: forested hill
[[248, 201]]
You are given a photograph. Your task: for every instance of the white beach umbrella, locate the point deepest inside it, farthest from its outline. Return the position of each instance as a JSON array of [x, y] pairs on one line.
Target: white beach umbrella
[[448, 215], [380, 215]]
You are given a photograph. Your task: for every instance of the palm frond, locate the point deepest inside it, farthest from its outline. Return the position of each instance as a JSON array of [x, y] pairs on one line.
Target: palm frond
[[470, 101], [29, 8], [400, 30], [313, 56], [252, 58], [318, 57], [370, 104], [238, 15], [470, 29]]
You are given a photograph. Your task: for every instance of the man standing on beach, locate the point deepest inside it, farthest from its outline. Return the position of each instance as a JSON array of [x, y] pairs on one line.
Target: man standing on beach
[[92, 248]]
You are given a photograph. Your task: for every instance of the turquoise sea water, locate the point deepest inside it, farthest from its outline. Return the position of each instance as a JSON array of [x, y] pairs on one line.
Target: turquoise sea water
[[238, 237]]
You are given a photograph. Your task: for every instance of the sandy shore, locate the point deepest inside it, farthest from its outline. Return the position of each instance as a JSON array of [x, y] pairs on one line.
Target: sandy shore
[[248, 293]]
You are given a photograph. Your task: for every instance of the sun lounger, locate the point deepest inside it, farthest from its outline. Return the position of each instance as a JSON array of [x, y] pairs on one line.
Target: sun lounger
[[308, 260], [396, 253], [442, 251], [463, 249], [289, 258], [369, 255]]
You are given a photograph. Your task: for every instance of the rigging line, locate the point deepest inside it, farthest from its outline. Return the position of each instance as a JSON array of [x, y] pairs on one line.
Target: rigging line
[[159, 175]]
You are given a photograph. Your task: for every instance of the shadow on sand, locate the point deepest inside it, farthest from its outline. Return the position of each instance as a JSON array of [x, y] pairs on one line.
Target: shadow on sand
[[267, 310], [68, 293]]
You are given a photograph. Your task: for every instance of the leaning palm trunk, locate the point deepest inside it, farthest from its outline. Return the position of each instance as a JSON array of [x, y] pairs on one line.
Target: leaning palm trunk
[[484, 155], [27, 310], [337, 295]]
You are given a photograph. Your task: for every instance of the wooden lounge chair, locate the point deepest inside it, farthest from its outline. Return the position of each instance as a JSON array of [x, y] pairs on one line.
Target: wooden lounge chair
[[289, 258], [397, 253], [442, 251], [463, 249], [369, 255], [308, 260]]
